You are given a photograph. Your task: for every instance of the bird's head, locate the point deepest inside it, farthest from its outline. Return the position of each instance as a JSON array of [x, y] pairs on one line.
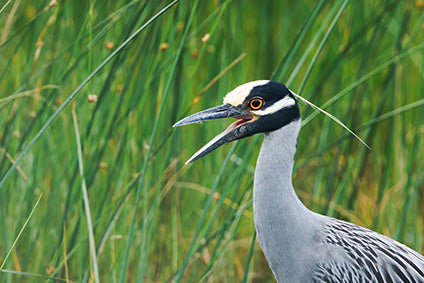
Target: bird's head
[[259, 106]]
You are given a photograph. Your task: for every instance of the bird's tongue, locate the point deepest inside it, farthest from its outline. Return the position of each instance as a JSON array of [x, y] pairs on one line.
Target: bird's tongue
[[237, 123]]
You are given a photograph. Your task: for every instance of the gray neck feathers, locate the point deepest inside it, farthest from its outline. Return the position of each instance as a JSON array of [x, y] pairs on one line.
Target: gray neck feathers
[[281, 220]]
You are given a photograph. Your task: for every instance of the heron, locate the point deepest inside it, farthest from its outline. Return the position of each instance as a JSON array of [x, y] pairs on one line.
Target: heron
[[299, 244]]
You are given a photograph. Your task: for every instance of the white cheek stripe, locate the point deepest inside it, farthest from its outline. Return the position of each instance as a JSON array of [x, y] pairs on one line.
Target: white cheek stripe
[[277, 106]]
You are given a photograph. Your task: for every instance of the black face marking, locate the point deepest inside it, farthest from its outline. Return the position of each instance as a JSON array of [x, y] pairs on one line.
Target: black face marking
[[270, 93], [278, 119]]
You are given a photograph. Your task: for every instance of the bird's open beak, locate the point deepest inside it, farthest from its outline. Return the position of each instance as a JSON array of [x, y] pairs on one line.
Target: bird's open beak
[[231, 133]]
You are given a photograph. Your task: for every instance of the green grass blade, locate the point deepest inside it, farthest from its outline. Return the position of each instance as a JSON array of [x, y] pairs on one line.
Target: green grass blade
[[4, 6], [75, 92], [92, 244], [19, 234]]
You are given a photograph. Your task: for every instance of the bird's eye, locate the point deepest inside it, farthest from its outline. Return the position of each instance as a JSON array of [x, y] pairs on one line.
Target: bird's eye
[[256, 103]]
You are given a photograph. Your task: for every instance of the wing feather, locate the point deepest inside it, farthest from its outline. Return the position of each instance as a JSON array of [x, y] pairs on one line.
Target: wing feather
[[368, 257]]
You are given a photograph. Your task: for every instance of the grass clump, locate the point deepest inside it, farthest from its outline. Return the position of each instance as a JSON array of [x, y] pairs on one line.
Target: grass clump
[[130, 69]]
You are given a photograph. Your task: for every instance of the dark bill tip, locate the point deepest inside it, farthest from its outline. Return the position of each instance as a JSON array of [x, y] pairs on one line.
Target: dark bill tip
[[221, 111]]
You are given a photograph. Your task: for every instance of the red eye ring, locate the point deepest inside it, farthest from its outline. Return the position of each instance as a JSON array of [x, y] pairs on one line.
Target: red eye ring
[[256, 103]]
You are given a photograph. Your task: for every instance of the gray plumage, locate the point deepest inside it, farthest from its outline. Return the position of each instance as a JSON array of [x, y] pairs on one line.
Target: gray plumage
[[303, 246], [300, 245]]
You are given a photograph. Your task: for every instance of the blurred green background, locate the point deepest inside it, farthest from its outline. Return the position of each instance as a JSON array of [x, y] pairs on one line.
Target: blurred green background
[[90, 90]]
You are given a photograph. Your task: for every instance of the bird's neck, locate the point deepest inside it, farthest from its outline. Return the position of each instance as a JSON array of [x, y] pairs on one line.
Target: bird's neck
[[280, 217], [273, 174]]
